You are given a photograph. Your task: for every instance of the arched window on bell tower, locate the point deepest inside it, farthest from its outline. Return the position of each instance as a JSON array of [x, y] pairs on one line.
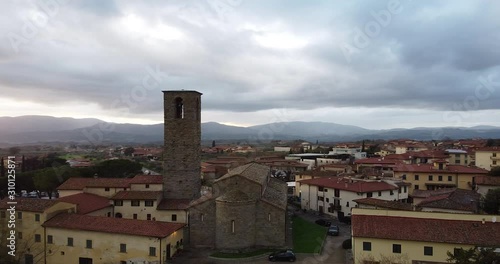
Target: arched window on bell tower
[[179, 108]]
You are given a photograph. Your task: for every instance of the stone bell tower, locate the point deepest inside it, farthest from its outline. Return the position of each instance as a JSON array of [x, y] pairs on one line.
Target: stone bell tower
[[182, 150]]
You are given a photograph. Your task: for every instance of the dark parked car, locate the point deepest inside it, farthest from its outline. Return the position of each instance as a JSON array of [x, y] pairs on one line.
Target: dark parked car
[[282, 255], [323, 222], [333, 230]]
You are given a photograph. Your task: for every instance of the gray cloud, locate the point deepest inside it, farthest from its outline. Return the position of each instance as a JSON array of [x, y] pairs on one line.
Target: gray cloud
[[429, 56]]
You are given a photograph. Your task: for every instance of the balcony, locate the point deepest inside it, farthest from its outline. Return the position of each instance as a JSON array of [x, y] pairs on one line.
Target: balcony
[[495, 158]]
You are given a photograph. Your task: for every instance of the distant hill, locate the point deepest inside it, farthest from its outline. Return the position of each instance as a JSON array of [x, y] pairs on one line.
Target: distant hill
[[9, 125], [42, 129]]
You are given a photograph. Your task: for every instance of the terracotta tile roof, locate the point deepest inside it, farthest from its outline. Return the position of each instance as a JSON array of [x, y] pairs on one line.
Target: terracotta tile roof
[[113, 225], [430, 169], [109, 182], [488, 180], [86, 202], [488, 149], [377, 161], [73, 184], [429, 193], [147, 179], [137, 195], [354, 186], [81, 183], [459, 199], [253, 171], [317, 173], [385, 204], [427, 230], [29, 204], [276, 193], [173, 204]]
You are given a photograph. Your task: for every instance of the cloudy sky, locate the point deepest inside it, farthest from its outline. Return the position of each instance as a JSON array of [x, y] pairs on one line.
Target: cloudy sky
[[375, 64]]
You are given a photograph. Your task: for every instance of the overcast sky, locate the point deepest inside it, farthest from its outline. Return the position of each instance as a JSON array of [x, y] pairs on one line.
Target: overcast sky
[[374, 64]]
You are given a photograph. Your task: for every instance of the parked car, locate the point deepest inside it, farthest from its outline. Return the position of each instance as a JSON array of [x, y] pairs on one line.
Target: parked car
[[323, 222], [283, 255], [333, 230]]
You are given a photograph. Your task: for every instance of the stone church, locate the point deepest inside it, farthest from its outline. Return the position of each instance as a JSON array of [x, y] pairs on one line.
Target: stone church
[[244, 209]]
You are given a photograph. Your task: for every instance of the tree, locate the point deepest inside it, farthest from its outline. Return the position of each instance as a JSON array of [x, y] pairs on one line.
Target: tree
[[492, 142], [473, 255], [213, 143], [47, 180], [128, 151], [119, 168], [2, 169], [14, 150], [495, 171], [363, 146], [491, 201]]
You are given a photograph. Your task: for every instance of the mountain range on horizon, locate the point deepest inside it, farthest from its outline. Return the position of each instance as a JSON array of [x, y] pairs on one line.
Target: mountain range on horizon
[[45, 129]]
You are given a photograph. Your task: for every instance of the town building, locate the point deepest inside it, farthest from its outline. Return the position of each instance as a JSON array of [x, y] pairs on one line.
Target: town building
[[487, 157], [438, 175], [449, 200], [334, 195], [485, 183], [246, 209], [74, 238], [401, 236]]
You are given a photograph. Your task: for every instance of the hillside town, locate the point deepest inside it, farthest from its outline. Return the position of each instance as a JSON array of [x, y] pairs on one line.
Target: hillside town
[[401, 200]]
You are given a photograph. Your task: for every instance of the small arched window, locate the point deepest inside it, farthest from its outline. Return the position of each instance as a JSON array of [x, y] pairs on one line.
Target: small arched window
[[179, 108]]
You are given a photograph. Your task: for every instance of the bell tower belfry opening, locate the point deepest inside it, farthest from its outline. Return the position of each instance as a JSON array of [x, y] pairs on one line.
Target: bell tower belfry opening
[[182, 147]]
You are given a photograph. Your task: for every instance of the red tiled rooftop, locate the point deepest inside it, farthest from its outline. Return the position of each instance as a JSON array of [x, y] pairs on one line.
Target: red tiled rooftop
[[458, 199], [488, 180], [495, 148], [137, 195], [147, 179], [384, 204], [431, 169], [28, 204], [429, 193], [377, 161], [81, 183], [173, 204], [113, 225], [73, 184], [86, 202], [108, 182], [345, 184], [427, 230]]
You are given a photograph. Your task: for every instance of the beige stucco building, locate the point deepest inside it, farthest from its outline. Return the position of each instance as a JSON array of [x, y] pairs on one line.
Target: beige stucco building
[[488, 157], [77, 238], [28, 218], [418, 237], [438, 175]]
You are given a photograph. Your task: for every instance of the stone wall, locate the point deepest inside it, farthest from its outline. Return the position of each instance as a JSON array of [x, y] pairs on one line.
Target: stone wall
[[181, 163], [249, 187], [243, 215], [202, 231], [271, 225]]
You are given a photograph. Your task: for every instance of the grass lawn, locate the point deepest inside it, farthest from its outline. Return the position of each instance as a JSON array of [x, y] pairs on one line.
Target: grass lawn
[[241, 255], [307, 237]]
